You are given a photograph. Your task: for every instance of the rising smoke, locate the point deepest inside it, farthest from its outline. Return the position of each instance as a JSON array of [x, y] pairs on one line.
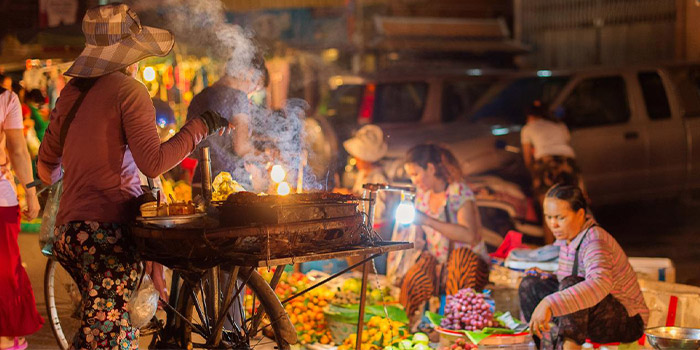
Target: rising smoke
[[277, 135]]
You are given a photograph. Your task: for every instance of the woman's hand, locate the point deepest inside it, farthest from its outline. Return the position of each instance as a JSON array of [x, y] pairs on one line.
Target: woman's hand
[[536, 271], [33, 207], [422, 219], [539, 322]]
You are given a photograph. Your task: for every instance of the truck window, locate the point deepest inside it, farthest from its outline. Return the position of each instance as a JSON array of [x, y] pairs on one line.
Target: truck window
[[597, 102], [459, 97], [655, 97], [399, 102], [506, 102], [687, 81], [344, 103]]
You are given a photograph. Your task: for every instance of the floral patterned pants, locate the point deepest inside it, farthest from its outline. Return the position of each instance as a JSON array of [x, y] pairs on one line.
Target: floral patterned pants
[[101, 262]]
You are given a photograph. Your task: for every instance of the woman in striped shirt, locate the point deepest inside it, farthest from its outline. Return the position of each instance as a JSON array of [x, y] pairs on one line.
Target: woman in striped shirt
[[595, 294]]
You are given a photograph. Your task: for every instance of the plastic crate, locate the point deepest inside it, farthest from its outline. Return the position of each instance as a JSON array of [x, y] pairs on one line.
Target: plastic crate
[[654, 269]]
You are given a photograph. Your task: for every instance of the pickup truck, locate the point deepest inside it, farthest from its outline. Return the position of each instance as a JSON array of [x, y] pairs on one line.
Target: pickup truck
[[635, 130]]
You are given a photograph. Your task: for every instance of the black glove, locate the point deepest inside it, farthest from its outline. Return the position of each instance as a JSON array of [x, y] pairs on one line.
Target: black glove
[[214, 121]]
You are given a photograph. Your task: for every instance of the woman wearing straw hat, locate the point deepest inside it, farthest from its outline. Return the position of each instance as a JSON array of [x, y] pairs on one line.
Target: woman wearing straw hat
[[367, 147], [102, 132]]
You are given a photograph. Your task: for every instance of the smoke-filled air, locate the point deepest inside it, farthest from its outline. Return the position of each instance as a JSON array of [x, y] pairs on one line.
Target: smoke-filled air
[[277, 136]]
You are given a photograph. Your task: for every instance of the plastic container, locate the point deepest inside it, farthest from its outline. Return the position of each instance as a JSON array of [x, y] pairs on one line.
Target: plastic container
[[654, 269]]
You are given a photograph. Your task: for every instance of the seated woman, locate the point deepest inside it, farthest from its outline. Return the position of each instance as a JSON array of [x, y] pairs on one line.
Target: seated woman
[[595, 295], [447, 214]]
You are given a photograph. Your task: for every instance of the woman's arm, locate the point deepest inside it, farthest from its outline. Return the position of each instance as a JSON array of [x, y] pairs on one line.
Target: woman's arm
[[465, 230], [138, 119], [22, 164], [597, 262], [528, 155]]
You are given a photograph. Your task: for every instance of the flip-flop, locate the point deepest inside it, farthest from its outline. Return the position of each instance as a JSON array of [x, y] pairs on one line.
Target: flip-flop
[[17, 345]]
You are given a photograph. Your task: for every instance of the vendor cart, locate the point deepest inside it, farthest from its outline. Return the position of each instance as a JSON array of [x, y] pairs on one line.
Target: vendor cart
[[213, 263]]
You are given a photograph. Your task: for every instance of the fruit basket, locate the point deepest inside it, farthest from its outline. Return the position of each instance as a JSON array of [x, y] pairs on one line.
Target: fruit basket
[[449, 337]]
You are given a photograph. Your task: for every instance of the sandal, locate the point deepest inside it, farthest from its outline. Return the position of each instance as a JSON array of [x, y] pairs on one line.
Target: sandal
[[17, 345]]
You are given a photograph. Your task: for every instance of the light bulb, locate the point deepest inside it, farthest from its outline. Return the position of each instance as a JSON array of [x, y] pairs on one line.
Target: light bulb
[[277, 173], [149, 74], [283, 189], [405, 213]]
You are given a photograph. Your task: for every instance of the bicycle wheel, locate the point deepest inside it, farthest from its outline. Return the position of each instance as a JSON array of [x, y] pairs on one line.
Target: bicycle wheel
[[210, 321], [62, 303]]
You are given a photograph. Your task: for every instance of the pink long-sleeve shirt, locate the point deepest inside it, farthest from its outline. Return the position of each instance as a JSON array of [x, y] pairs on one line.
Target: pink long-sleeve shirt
[[112, 137], [605, 266]]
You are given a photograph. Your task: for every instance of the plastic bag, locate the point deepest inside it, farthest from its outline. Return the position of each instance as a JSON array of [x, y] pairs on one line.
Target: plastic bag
[[671, 304], [143, 303], [48, 218]]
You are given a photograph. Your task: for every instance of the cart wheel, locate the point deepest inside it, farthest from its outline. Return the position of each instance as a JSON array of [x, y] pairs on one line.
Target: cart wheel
[[212, 308], [63, 300]]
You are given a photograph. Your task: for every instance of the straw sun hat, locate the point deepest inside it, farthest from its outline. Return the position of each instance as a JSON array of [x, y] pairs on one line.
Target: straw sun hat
[[114, 39], [368, 144]]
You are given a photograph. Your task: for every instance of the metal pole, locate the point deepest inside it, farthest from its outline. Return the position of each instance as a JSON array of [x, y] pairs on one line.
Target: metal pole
[[365, 270], [206, 176], [363, 299]]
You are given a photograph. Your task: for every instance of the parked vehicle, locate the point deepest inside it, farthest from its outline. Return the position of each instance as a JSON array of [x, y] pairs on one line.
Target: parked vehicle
[[635, 130], [414, 107]]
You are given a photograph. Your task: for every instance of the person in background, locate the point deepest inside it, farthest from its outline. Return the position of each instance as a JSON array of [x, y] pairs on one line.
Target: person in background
[[5, 82], [18, 89], [368, 147], [446, 212], [18, 313], [36, 101], [165, 119], [229, 96], [547, 153], [101, 150], [595, 294]]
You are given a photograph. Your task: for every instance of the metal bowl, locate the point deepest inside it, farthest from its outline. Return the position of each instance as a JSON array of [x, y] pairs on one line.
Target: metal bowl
[[182, 221], [668, 338]]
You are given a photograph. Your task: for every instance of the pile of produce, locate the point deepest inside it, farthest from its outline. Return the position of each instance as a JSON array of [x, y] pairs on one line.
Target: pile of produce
[[289, 284], [306, 314], [306, 311], [468, 310], [462, 344], [349, 294], [380, 333]]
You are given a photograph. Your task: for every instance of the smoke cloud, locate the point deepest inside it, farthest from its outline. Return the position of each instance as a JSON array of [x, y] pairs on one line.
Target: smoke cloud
[[278, 136]]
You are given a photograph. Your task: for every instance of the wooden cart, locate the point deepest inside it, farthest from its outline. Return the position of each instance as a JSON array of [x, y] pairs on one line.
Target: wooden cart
[[212, 265]]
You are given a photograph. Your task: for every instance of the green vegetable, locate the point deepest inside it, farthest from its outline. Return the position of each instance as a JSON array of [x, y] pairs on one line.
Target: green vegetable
[[405, 345], [421, 346], [420, 338], [434, 318]]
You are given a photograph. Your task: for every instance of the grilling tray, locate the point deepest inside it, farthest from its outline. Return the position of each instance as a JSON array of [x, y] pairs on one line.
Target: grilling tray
[[246, 208]]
